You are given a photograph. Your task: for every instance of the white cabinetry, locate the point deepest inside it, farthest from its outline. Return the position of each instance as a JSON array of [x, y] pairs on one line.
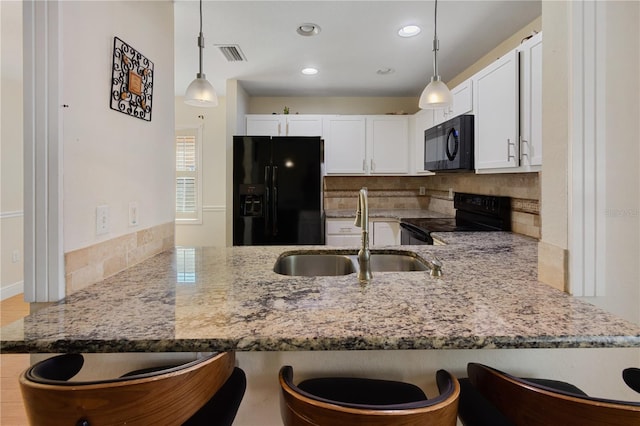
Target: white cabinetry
[[508, 111], [388, 144], [344, 144], [283, 125], [386, 233], [531, 102], [462, 103], [497, 114], [365, 145], [342, 232]]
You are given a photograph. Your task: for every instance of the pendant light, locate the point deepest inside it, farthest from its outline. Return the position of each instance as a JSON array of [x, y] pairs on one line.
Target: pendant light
[[200, 92], [436, 95]]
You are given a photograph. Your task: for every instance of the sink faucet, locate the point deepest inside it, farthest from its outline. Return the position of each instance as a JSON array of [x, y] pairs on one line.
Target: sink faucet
[[362, 220]]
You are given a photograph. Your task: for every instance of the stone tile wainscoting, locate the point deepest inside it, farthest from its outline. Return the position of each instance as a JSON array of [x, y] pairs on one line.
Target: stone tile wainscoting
[[89, 265], [403, 192]]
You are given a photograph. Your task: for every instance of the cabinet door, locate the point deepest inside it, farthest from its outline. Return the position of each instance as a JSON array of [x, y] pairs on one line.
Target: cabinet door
[[462, 99], [304, 125], [344, 144], [497, 114], [531, 101], [386, 234], [388, 144], [265, 125]]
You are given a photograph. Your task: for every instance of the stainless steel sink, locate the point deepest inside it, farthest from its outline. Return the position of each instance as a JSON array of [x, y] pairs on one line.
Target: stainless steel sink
[[326, 264], [313, 265]]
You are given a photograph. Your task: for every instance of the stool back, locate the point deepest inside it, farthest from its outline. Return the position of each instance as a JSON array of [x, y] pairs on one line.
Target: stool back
[[167, 396], [526, 403], [300, 408]]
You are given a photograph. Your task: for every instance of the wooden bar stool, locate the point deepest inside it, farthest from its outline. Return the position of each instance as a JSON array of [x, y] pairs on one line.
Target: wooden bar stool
[[491, 397], [339, 401], [206, 391]]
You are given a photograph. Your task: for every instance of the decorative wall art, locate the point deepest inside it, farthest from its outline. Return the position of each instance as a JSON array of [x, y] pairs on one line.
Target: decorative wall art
[[131, 81]]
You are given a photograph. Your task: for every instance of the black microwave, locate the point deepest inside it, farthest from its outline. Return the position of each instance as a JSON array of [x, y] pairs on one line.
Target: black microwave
[[449, 145]]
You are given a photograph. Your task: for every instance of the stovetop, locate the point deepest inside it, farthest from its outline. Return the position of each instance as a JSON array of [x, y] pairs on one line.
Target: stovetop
[[447, 225]]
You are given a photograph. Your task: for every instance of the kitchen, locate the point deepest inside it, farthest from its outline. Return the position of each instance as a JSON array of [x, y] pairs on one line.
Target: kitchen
[[622, 290]]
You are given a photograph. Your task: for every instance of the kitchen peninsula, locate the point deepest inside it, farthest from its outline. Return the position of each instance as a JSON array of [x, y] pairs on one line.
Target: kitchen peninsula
[[395, 327], [200, 299]]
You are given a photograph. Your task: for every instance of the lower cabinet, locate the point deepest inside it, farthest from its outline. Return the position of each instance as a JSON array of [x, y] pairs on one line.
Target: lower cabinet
[[382, 232]]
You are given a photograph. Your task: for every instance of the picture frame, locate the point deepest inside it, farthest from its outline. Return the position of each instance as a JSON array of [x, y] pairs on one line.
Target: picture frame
[[132, 76]]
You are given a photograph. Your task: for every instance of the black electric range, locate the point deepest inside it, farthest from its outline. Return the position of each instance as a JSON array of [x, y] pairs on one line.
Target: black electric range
[[474, 212]]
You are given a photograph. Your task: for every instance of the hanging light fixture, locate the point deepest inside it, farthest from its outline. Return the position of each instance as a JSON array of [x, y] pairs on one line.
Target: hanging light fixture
[[436, 95], [200, 92]]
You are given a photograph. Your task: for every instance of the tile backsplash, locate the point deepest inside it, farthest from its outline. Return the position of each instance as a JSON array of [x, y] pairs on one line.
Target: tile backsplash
[[89, 265], [403, 192]]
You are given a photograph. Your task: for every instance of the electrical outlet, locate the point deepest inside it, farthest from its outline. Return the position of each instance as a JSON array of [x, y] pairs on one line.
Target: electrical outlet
[[15, 256], [451, 193], [422, 190], [102, 219], [133, 213]]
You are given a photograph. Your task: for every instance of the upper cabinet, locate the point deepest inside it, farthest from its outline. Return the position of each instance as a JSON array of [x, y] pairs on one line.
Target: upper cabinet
[[531, 102], [388, 144], [345, 144], [508, 111], [365, 145], [283, 125], [462, 103], [420, 121], [496, 114]]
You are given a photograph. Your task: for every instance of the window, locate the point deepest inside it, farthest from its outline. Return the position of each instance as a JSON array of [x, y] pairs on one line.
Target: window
[[188, 175]]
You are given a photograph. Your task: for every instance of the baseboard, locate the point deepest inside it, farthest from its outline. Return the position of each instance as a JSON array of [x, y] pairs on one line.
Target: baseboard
[[11, 290]]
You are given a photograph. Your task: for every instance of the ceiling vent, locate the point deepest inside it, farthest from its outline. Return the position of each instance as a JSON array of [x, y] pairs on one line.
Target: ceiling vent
[[232, 52]]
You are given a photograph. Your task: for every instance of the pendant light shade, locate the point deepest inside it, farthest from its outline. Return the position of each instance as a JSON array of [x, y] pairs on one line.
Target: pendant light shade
[[436, 95], [200, 92]]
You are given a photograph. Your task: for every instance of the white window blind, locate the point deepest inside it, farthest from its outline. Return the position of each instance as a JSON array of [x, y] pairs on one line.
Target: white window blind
[[188, 175]]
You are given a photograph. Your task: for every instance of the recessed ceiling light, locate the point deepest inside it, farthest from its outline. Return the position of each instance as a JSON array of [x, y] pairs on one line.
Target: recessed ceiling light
[[308, 29], [309, 71], [409, 31], [385, 71]]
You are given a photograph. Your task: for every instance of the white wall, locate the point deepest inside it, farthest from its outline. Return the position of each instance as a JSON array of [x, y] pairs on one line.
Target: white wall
[[11, 181], [211, 232], [109, 157]]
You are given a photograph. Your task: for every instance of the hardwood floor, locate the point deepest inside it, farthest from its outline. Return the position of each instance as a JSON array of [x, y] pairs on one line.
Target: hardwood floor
[[11, 365]]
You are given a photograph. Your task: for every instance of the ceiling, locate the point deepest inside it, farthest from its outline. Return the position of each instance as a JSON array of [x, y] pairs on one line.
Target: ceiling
[[357, 38]]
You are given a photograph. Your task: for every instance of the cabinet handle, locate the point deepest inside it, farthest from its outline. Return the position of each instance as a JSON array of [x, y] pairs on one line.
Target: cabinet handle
[[373, 165], [287, 134], [364, 165], [345, 229], [522, 151], [279, 129], [509, 156]]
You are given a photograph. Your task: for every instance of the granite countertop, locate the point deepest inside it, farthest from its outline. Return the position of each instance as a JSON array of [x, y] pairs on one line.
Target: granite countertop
[[230, 299], [398, 214]]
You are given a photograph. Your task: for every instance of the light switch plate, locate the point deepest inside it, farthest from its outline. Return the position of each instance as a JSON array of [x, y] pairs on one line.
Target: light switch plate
[[102, 219], [133, 213]]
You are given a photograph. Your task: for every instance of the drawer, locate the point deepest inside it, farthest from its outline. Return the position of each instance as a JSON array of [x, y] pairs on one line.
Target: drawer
[[342, 227]]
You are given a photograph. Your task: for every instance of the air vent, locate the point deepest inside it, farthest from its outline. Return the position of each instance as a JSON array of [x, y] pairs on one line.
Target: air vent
[[232, 52]]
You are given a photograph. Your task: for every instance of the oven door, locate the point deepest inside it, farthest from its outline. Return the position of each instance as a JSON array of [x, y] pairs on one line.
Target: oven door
[[411, 235]]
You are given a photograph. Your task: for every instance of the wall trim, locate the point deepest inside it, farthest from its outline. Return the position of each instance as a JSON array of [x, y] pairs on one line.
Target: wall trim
[[11, 290], [9, 215], [587, 224]]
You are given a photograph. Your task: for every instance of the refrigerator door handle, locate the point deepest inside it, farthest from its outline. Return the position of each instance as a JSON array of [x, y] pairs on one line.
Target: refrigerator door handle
[[267, 198], [274, 185]]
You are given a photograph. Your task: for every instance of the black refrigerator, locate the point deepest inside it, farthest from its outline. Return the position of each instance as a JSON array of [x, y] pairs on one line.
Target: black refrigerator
[[277, 190]]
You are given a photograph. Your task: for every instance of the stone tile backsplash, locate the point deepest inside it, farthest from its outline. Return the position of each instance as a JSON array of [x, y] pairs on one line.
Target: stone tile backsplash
[[403, 192], [89, 265]]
